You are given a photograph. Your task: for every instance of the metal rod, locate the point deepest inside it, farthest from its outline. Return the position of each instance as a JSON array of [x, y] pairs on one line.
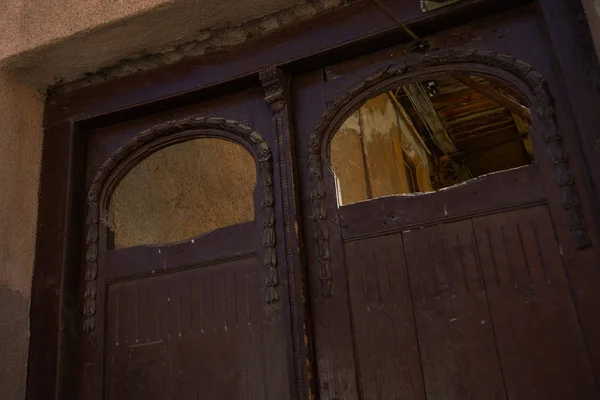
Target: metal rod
[[391, 16]]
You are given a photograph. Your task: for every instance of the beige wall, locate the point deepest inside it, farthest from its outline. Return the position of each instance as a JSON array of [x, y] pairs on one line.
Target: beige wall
[[348, 161], [47, 41], [381, 138], [20, 149]]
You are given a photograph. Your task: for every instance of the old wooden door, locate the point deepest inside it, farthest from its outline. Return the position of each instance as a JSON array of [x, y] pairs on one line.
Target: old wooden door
[[202, 219], [460, 293], [172, 312]]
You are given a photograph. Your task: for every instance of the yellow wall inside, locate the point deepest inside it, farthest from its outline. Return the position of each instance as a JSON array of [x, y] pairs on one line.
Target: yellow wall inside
[[182, 191], [367, 153], [20, 151]]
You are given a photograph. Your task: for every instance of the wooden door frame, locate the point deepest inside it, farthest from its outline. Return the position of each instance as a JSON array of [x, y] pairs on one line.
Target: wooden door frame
[[352, 31]]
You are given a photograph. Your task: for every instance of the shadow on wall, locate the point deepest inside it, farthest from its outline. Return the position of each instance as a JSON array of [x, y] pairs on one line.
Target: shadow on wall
[[14, 342]]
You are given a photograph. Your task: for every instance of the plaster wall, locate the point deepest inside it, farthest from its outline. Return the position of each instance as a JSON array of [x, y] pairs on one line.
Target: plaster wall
[[47, 41], [367, 153], [20, 150], [348, 161], [183, 191]]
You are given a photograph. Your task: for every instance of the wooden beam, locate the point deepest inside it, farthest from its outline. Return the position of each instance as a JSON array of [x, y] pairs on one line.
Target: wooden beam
[[486, 146], [523, 128], [413, 132], [422, 104], [496, 96]]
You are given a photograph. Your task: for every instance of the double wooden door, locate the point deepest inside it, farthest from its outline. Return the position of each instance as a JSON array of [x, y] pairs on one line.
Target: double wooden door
[[468, 293]]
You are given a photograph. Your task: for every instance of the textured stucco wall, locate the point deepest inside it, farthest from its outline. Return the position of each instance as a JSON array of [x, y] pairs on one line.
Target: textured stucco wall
[[183, 191], [20, 152], [64, 41], [45, 40], [20, 149]]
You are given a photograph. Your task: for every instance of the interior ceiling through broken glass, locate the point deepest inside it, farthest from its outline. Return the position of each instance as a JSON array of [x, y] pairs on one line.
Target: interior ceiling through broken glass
[[428, 135]]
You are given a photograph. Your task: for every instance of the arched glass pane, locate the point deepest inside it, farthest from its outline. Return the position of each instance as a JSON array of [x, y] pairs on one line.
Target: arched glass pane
[[183, 191], [429, 135]]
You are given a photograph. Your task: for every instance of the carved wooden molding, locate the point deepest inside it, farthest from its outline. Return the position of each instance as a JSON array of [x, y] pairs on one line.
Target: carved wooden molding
[[273, 81], [516, 71], [144, 144], [319, 209]]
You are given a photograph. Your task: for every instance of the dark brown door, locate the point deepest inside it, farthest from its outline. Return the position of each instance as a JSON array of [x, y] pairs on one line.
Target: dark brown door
[[451, 224], [461, 292], [182, 284]]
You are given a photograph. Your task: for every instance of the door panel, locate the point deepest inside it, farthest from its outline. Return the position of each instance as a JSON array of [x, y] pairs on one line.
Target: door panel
[[200, 318], [220, 244], [199, 333], [456, 339], [384, 325], [460, 293], [478, 308], [476, 197], [490, 286], [540, 343]]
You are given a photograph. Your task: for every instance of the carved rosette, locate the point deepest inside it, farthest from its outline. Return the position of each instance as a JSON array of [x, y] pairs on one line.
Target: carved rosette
[[544, 119], [97, 210]]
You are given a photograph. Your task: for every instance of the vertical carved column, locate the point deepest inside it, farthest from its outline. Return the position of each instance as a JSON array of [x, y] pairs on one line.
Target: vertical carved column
[[275, 86]]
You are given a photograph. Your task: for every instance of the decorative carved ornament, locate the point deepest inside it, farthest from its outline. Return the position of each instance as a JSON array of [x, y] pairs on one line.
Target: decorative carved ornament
[[270, 79], [517, 71], [124, 158]]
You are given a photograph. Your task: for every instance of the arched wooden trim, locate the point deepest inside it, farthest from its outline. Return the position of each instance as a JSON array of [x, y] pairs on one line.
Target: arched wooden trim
[[491, 64], [150, 141]]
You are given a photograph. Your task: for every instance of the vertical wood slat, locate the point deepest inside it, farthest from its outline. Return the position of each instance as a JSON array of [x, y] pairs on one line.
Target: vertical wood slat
[[223, 360], [383, 330], [541, 347], [452, 318], [493, 314]]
